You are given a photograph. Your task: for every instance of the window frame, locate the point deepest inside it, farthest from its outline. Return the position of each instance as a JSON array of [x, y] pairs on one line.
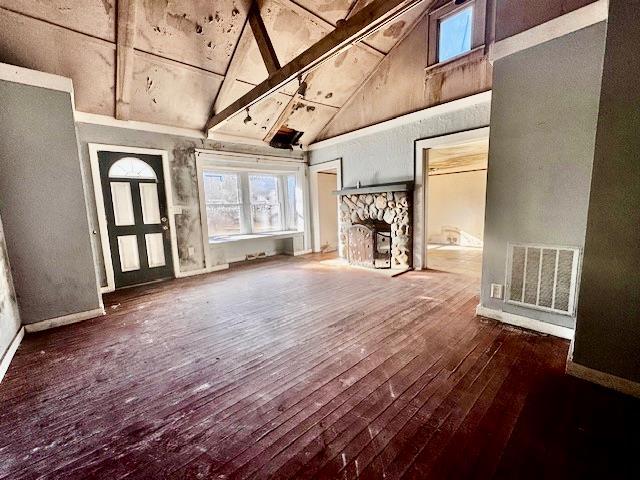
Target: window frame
[[448, 10], [207, 203], [282, 203], [246, 221]]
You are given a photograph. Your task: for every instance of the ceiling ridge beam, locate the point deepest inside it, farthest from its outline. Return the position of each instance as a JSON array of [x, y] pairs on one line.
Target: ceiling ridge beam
[[125, 40], [261, 35], [368, 20]]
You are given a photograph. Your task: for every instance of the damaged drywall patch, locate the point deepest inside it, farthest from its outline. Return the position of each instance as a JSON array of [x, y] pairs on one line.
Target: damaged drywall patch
[[107, 6], [395, 29], [185, 193]]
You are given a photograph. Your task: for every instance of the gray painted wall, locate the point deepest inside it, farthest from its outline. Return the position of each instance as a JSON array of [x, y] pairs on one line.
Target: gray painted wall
[[185, 191], [42, 204], [608, 327], [543, 122], [388, 156], [9, 317]]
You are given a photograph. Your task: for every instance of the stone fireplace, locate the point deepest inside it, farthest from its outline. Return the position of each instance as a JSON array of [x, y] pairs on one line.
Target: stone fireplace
[[375, 226]]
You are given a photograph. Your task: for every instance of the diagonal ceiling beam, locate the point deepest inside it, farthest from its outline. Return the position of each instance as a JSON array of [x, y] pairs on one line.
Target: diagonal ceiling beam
[[366, 21], [262, 38], [126, 31], [294, 6]]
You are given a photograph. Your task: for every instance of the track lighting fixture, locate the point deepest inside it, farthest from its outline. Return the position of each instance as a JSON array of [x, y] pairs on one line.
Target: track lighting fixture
[[248, 118]]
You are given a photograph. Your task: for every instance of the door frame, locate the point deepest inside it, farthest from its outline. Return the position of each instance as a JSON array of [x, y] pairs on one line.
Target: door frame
[[420, 194], [314, 170], [94, 148]]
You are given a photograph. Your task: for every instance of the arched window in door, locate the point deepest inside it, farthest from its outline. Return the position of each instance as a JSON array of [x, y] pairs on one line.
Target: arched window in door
[[131, 167]]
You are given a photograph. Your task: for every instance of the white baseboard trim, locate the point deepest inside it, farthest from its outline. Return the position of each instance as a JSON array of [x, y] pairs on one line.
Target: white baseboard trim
[[525, 322], [66, 320], [607, 380], [300, 252], [558, 27], [11, 351], [202, 271]]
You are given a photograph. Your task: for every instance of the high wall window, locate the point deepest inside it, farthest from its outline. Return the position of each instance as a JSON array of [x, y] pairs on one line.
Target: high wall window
[[243, 203], [455, 30], [454, 36]]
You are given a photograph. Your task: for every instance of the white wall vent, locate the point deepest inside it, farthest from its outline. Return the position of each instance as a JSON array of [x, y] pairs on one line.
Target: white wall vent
[[543, 277]]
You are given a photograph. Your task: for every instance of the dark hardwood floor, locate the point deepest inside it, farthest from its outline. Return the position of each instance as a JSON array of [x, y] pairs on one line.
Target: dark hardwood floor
[[286, 368]]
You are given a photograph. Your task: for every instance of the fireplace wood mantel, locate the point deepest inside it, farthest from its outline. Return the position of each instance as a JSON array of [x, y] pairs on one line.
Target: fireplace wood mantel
[[389, 187]]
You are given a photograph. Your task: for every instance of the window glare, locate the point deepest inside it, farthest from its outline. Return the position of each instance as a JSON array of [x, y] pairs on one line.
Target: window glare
[[265, 207], [455, 34], [221, 187]]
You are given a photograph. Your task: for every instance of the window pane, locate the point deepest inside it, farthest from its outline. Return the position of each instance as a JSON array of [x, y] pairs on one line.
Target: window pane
[[265, 218], [221, 187], [455, 34], [223, 219], [130, 167], [263, 188], [122, 203], [128, 252], [150, 203], [155, 250], [291, 203]]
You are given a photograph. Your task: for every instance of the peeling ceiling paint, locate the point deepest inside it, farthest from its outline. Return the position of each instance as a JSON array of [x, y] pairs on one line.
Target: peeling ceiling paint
[[183, 51]]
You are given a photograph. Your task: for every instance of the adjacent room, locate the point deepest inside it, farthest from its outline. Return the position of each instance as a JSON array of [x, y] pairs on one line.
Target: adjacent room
[[457, 187], [329, 239]]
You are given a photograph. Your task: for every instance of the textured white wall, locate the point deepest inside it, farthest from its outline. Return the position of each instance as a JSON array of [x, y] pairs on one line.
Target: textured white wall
[[327, 201], [457, 200]]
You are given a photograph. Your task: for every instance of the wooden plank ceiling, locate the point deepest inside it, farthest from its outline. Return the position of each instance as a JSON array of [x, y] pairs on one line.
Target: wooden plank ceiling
[[170, 61]]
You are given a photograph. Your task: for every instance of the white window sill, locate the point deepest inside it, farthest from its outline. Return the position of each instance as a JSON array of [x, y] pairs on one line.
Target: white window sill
[[254, 236], [472, 55]]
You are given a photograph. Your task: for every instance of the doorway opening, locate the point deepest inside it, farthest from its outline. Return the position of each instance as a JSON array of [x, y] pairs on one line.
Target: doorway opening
[[133, 202], [327, 204], [325, 180], [456, 195]]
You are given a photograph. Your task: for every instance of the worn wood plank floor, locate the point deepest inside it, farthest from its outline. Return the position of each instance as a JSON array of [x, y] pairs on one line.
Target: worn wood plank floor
[[286, 368]]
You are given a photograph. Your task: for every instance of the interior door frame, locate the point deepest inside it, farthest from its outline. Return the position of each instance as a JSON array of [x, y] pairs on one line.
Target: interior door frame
[[314, 170], [94, 148], [421, 187]]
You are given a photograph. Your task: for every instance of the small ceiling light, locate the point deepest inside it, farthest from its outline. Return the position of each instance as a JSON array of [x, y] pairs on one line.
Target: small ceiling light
[[248, 119]]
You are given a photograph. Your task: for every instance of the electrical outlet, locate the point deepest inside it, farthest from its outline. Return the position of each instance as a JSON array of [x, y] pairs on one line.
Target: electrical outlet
[[496, 291]]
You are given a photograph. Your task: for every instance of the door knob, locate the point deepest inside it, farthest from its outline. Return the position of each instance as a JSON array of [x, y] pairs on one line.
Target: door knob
[[165, 227], [163, 219]]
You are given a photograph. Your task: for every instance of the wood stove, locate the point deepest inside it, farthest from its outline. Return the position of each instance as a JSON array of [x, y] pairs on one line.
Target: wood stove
[[369, 245], [375, 225]]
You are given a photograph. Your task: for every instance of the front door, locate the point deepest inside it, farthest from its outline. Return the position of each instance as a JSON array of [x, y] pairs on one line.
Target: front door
[[137, 218]]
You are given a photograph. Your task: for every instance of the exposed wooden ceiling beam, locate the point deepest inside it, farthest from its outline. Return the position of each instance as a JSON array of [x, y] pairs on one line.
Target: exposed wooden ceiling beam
[[262, 38], [304, 12], [124, 56], [372, 17], [282, 119]]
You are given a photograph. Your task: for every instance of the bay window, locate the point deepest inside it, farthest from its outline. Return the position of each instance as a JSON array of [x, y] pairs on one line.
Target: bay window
[[245, 202]]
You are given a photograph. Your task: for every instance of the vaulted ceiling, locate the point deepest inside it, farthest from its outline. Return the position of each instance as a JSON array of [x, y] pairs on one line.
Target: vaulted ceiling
[[191, 54]]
